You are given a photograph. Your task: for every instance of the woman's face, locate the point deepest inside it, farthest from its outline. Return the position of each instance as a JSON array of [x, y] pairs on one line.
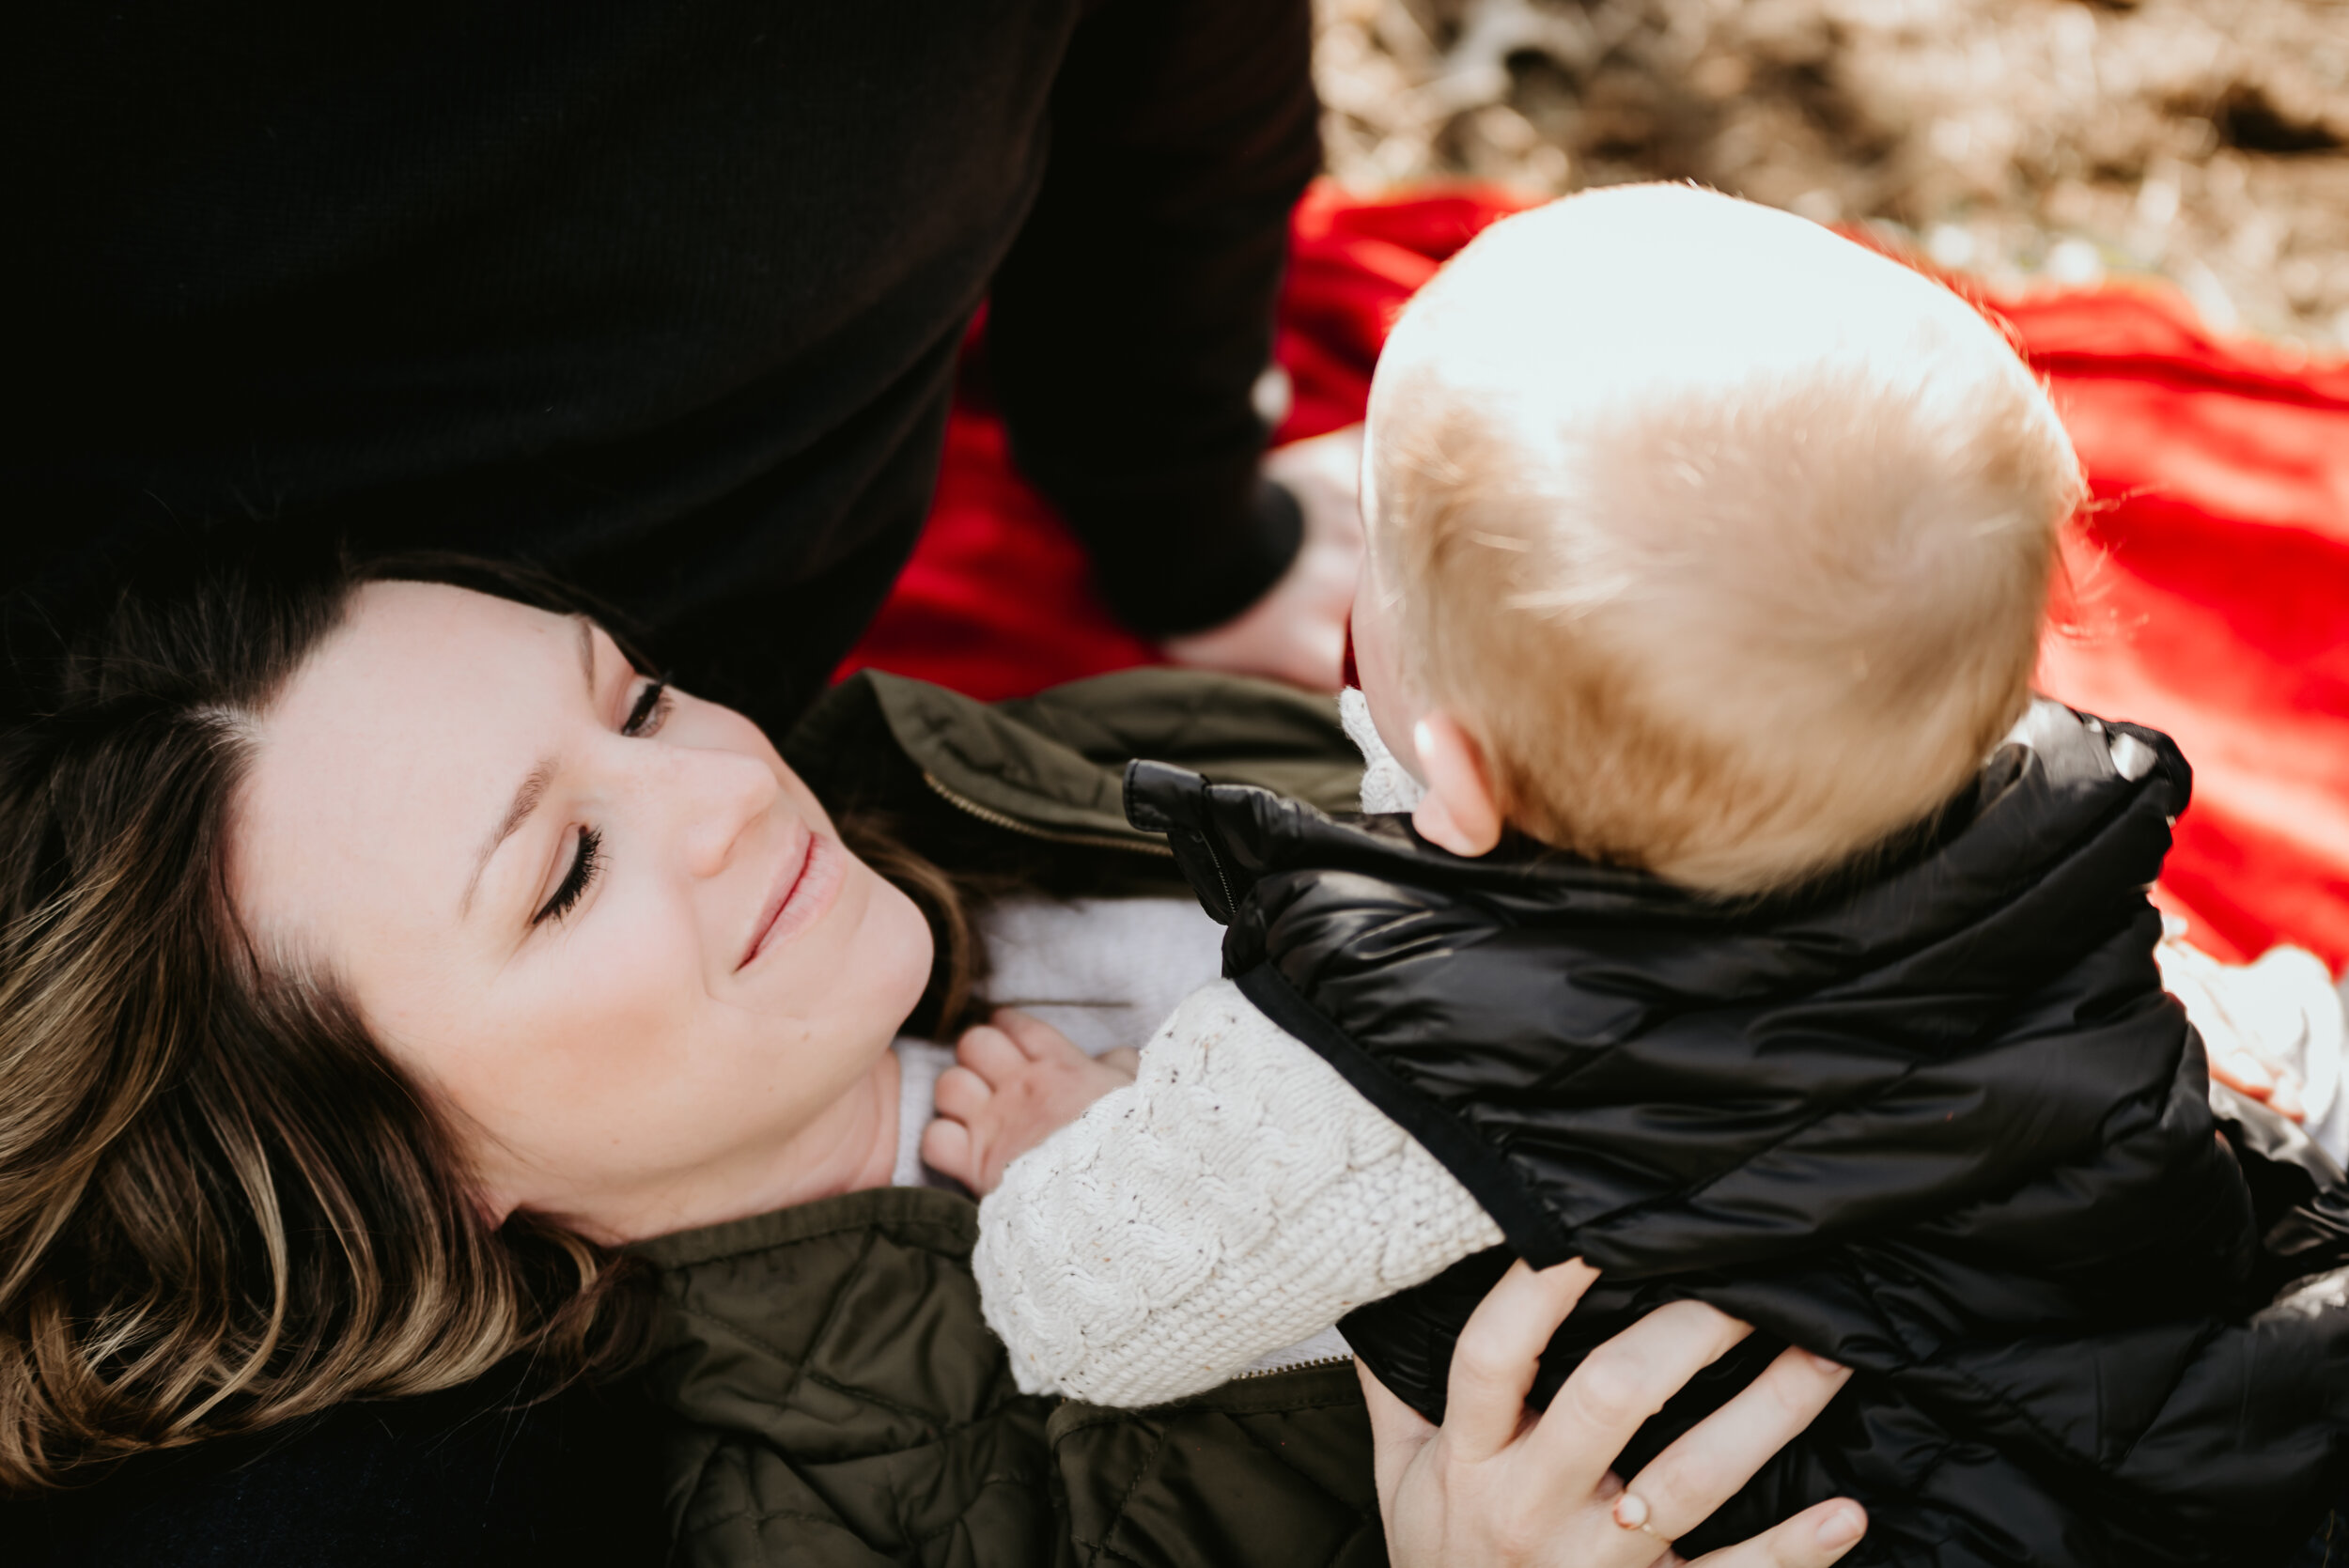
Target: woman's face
[[604, 924]]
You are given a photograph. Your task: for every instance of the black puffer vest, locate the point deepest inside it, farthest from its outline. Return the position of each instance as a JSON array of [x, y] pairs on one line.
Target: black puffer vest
[[1938, 1122]]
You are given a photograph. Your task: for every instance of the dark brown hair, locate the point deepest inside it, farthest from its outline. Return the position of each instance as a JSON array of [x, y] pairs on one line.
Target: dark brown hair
[[222, 1205]]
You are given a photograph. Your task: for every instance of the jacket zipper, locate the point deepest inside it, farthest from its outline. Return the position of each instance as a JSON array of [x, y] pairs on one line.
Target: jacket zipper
[[1231, 905], [1295, 1366], [990, 816]]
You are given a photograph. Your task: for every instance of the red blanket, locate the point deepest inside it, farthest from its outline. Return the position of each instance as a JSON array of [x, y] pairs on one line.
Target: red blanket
[[2211, 582]]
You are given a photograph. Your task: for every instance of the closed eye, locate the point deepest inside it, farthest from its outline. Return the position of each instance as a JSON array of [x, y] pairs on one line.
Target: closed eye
[[576, 880], [652, 707], [645, 718]]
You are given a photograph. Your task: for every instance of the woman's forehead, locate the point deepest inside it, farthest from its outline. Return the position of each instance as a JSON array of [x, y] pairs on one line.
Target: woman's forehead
[[423, 667], [418, 634], [416, 717]]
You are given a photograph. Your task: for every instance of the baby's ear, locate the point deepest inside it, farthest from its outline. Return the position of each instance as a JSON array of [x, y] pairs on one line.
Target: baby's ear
[[1459, 812]]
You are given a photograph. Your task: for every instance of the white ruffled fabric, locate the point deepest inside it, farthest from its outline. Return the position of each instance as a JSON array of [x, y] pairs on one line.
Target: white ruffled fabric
[[2282, 1010], [1386, 787]]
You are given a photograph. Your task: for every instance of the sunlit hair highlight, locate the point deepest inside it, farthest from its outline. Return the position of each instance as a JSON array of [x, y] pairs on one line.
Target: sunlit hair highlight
[[1731, 620], [222, 1206]]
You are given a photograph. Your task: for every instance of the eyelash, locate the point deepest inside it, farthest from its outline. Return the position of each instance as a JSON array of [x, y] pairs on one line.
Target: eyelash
[[645, 718], [651, 710], [575, 881]]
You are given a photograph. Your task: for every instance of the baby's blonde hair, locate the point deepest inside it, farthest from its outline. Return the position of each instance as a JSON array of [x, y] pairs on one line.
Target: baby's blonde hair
[[1727, 538]]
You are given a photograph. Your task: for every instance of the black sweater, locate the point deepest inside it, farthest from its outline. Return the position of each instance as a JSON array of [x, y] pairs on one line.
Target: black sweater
[[666, 295], [1936, 1119]]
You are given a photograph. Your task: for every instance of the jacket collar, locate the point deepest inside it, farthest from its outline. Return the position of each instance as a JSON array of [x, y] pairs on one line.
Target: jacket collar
[[1049, 765], [2053, 789]]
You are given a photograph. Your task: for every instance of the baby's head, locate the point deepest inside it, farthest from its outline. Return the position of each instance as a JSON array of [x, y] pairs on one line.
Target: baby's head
[[1701, 539]]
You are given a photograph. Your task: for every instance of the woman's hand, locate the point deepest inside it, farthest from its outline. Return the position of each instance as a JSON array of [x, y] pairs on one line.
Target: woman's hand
[[1016, 1081], [1297, 631], [1498, 1486]]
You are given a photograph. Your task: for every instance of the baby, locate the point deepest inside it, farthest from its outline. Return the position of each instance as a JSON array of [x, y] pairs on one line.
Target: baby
[[1726, 913]]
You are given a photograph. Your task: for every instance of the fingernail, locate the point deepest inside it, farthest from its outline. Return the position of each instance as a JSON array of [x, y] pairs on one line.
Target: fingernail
[[1841, 1528], [1631, 1511], [1822, 1364]]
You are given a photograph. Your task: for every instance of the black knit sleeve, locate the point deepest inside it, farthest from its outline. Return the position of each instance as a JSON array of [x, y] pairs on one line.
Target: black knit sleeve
[[1135, 312]]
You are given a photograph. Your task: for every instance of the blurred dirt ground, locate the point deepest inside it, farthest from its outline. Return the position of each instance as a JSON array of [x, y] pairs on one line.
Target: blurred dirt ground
[[2204, 140]]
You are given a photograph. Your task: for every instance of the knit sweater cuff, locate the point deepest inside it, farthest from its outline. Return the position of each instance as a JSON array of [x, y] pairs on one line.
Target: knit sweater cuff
[[1235, 1199]]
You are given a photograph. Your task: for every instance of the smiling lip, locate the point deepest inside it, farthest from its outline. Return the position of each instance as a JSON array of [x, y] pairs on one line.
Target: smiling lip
[[804, 891]]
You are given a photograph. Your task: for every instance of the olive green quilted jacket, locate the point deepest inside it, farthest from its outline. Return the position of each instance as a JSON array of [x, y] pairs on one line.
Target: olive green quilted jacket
[[837, 1398]]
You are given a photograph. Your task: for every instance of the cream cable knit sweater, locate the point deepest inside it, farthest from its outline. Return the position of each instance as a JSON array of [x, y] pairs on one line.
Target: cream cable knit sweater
[[1238, 1197]]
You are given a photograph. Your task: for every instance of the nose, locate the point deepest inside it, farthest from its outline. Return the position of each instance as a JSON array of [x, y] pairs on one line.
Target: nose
[[721, 796]]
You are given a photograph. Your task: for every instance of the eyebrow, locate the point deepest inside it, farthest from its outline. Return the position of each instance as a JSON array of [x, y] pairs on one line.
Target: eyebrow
[[534, 787]]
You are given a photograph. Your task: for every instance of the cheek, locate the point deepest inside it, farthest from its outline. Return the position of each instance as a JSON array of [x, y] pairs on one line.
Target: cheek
[[624, 995], [903, 951], [567, 1037], [627, 1002], [849, 982]]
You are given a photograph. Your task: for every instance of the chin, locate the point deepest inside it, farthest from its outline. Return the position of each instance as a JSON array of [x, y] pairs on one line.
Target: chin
[[902, 951]]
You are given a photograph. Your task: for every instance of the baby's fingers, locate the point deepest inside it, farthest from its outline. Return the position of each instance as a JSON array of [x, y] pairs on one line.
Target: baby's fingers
[[946, 1147], [1038, 1040], [961, 1094], [990, 1052]]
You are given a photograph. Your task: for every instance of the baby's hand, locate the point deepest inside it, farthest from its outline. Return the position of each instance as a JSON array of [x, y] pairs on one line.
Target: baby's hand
[[1018, 1081]]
